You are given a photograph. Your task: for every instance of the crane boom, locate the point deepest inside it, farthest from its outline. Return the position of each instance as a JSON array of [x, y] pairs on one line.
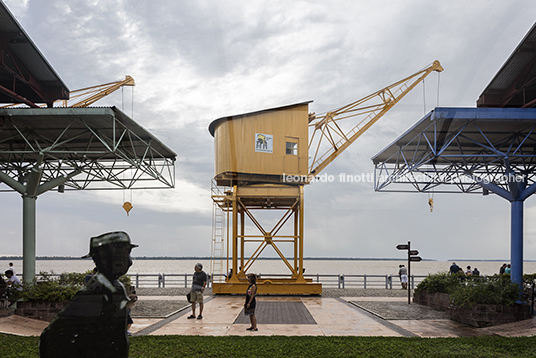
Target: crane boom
[[85, 97], [329, 139]]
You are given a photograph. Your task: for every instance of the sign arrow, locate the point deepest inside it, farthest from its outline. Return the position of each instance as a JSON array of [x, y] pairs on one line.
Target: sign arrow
[[413, 252], [402, 247], [415, 258]]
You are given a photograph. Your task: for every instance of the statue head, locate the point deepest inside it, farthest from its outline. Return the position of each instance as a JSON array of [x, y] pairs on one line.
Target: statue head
[[111, 253]]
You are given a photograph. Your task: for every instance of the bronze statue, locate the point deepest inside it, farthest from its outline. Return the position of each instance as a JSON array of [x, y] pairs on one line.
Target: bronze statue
[[94, 323]]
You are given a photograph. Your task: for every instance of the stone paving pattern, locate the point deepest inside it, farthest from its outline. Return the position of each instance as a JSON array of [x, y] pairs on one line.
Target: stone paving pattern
[[335, 313]]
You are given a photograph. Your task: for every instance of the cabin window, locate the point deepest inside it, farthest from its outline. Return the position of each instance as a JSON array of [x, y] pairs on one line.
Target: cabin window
[[292, 148]]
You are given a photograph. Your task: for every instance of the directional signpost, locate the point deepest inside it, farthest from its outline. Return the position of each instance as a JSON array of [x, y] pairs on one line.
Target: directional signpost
[[411, 257]]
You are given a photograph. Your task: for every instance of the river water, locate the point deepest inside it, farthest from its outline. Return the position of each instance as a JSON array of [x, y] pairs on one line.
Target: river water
[[266, 267]]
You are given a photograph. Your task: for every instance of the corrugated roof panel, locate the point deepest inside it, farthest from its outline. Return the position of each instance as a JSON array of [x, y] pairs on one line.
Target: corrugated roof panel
[[513, 76], [40, 70], [27, 53]]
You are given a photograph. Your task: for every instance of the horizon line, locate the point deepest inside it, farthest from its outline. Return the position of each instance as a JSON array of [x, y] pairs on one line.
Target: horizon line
[[327, 258]]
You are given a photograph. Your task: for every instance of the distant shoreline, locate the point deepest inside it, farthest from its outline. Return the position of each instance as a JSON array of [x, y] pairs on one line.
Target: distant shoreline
[[7, 258], [208, 258]]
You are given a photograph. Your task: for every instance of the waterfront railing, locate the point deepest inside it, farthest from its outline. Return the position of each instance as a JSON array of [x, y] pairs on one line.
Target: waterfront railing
[[389, 282], [167, 280]]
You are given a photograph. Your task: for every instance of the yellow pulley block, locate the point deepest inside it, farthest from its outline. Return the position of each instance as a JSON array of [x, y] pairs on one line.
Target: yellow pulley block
[[127, 206], [431, 203]]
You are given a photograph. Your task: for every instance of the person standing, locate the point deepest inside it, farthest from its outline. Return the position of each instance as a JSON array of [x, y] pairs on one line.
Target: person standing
[[12, 268], [132, 299], [249, 306], [501, 270], [199, 282], [508, 269], [454, 268], [476, 272], [403, 273]]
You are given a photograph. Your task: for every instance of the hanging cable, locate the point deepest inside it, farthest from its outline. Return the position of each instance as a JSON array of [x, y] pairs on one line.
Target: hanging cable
[[424, 96], [438, 83], [127, 205], [132, 104]]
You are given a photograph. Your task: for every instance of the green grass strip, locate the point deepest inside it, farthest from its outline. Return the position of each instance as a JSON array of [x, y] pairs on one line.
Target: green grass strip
[[279, 346]]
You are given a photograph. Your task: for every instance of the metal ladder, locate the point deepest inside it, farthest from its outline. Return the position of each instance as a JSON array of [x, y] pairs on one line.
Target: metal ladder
[[218, 235]]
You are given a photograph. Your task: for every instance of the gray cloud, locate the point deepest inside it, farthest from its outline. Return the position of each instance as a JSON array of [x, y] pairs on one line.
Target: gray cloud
[[197, 61]]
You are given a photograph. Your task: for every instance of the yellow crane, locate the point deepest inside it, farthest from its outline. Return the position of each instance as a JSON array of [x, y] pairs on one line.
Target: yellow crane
[[84, 97], [330, 139], [250, 181]]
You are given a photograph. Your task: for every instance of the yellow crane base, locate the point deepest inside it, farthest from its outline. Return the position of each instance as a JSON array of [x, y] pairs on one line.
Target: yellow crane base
[[269, 286]]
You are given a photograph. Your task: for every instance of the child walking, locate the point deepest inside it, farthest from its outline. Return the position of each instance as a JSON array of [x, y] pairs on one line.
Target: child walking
[[249, 306]]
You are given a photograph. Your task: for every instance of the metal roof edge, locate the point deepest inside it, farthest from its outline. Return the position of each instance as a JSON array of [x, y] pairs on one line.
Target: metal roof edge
[[464, 113], [55, 111], [43, 58], [212, 125], [429, 115], [498, 73], [122, 114]]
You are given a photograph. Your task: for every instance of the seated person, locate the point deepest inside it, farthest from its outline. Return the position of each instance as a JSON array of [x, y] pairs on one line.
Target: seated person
[[13, 283], [90, 275], [12, 279], [3, 290]]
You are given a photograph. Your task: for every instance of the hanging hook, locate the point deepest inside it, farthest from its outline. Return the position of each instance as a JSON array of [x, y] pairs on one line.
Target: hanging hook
[[127, 206]]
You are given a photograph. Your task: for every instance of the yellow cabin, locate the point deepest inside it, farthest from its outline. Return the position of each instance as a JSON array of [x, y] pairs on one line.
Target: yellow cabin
[[262, 146]]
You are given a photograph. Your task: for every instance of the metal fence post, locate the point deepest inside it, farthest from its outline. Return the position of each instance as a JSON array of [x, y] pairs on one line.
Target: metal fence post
[[137, 280], [532, 305], [185, 280], [365, 281]]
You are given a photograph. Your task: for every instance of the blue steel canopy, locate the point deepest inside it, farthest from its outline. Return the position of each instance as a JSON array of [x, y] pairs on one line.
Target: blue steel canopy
[[462, 150], [468, 150]]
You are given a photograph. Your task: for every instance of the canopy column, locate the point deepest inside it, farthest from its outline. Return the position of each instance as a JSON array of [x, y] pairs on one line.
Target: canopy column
[[28, 237], [516, 243]]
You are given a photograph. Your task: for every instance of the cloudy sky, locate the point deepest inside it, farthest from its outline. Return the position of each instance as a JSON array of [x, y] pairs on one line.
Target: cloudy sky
[[195, 61]]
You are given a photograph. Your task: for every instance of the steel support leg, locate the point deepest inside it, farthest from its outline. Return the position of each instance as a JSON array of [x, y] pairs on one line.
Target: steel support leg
[[28, 238], [516, 243]]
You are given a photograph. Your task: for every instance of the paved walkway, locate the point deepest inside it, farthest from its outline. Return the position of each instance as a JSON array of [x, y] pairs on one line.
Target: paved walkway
[[291, 316]]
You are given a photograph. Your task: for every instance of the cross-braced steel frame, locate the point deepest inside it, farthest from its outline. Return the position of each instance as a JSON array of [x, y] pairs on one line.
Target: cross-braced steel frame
[[468, 150], [76, 149], [247, 204], [88, 148]]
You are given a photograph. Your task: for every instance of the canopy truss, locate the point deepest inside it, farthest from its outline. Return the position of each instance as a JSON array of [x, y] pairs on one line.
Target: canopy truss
[[83, 148], [462, 150]]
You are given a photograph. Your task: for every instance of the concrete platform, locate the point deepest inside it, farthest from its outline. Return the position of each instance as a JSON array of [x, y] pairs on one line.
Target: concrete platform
[[304, 316]]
